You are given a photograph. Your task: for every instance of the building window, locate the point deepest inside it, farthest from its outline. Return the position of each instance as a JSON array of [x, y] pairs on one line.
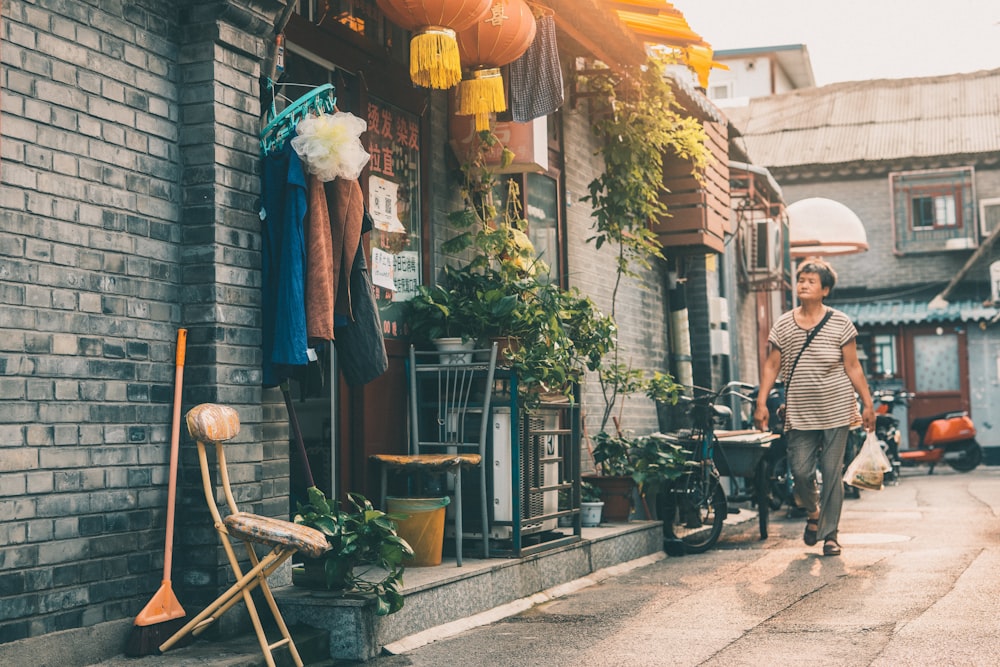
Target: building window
[[930, 211], [541, 210], [540, 206], [878, 354], [884, 356], [933, 210], [721, 92], [362, 17]]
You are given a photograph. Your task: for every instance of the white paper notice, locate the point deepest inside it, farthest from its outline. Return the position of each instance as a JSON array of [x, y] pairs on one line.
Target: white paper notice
[[382, 204], [383, 269], [406, 275]]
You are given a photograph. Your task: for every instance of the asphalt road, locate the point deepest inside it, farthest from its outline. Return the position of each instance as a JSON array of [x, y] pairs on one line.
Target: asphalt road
[[918, 584]]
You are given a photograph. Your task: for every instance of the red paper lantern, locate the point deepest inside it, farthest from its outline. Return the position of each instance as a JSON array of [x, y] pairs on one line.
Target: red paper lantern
[[434, 59], [500, 38]]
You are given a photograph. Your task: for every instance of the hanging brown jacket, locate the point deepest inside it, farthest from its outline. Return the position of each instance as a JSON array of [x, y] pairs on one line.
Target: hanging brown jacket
[[333, 235]]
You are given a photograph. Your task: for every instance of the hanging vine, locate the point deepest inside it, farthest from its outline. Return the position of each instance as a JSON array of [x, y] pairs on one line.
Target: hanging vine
[[638, 123]]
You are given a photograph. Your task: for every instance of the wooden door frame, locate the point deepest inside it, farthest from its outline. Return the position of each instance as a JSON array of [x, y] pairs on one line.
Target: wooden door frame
[[372, 418], [930, 403]]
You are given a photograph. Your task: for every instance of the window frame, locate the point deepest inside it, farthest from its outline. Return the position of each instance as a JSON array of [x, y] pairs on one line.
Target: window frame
[[908, 188], [933, 193]]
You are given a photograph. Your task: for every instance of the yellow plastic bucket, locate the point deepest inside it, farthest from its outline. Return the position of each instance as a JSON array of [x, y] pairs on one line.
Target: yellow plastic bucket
[[421, 524]]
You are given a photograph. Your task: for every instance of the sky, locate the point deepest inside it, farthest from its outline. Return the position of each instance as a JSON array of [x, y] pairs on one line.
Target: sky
[[854, 40]]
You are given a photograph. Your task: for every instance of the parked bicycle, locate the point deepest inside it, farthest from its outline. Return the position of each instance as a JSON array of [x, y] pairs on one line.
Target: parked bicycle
[[694, 509]]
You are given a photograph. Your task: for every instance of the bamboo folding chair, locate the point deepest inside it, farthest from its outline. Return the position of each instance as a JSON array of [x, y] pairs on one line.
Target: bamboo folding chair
[[215, 424]]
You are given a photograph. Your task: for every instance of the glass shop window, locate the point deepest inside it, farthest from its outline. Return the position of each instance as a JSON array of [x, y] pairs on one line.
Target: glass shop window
[[540, 206]]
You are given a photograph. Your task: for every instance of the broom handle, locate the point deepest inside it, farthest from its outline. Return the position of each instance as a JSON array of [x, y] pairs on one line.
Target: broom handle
[[175, 433]]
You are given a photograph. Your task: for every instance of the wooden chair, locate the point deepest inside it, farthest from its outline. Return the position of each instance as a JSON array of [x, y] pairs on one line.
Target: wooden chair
[[215, 424], [449, 398]]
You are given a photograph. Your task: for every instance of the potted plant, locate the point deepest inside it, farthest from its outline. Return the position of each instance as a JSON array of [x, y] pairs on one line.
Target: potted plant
[[591, 505], [548, 335], [656, 463], [662, 389], [624, 461], [615, 463], [366, 555], [438, 311]]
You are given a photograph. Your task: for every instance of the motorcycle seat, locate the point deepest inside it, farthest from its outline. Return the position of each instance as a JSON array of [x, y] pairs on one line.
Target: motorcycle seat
[[920, 424]]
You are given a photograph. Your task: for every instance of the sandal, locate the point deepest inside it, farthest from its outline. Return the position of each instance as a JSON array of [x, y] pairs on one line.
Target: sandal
[[810, 536], [831, 548]]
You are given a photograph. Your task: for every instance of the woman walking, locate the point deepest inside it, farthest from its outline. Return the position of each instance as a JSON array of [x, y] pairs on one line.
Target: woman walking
[[813, 347]]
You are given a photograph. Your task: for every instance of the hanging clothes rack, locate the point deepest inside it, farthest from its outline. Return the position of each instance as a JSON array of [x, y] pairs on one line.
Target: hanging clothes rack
[[322, 99]]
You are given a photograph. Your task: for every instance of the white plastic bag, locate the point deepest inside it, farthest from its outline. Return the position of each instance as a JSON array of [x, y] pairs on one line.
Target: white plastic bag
[[868, 468]]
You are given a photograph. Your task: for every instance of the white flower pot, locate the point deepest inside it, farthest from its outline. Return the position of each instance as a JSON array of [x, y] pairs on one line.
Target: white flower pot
[[590, 514], [451, 344]]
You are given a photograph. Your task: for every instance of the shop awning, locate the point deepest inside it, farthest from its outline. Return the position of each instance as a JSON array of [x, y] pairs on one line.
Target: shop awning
[[659, 22], [873, 313]]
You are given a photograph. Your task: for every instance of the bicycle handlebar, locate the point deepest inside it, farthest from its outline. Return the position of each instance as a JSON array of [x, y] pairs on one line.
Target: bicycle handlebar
[[734, 388]]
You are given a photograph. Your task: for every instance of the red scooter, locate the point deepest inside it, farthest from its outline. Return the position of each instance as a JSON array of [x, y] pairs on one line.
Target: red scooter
[[949, 437]]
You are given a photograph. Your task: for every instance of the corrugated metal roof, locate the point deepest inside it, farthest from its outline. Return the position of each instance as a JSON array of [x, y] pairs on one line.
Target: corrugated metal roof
[[883, 119], [870, 313]]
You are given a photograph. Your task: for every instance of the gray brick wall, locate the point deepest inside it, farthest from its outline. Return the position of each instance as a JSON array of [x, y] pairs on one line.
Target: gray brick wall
[[880, 271], [129, 209], [90, 253]]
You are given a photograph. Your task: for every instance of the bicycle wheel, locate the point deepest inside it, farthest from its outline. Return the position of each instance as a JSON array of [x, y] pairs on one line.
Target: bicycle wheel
[[694, 511]]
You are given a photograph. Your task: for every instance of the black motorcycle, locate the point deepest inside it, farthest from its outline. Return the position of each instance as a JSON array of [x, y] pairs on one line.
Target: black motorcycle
[[780, 471], [887, 427]]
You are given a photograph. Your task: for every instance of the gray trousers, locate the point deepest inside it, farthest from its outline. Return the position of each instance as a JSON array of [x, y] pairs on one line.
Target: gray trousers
[[806, 450]]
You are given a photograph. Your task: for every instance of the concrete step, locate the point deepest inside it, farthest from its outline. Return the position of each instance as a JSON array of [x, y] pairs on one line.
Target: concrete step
[[441, 600]]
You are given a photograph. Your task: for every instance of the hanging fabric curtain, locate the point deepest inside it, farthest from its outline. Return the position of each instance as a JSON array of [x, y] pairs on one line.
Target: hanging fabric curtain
[[498, 40], [434, 59], [536, 83]]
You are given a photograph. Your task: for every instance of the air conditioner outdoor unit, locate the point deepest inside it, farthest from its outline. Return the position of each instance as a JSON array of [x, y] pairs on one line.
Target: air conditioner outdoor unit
[[533, 473], [762, 248], [989, 216]]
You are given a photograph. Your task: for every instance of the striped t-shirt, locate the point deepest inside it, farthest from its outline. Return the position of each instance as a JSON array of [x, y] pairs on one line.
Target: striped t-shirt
[[821, 394]]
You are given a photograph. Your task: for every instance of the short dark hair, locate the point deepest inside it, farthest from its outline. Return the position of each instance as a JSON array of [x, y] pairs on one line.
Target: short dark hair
[[827, 276]]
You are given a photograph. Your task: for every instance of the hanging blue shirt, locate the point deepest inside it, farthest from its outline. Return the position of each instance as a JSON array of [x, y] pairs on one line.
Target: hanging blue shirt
[[283, 264]]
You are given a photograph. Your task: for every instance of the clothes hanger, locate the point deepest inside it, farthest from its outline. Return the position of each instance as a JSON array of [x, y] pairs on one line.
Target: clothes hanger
[[322, 99], [539, 11]]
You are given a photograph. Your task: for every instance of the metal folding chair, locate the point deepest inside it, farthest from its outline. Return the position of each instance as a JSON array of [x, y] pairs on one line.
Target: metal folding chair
[[215, 424], [449, 396]]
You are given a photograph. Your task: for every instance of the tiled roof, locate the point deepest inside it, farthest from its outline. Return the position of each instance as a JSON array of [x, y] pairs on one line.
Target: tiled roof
[[869, 313], [882, 119]]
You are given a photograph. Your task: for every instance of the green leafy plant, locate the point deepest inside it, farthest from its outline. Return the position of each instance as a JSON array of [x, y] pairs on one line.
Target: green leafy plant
[[613, 454], [365, 554], [504, 290], [662, 388], [638, 122], [657, 462], [589, 493]]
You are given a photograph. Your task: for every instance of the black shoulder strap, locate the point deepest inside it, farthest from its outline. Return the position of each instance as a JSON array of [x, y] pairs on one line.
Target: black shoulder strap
[[809, 339]]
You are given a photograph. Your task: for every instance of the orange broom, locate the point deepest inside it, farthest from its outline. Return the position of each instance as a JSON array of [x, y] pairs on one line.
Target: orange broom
[[163, 614]]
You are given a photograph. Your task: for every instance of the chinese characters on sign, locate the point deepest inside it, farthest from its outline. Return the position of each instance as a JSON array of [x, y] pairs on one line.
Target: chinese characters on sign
[[393, 140]]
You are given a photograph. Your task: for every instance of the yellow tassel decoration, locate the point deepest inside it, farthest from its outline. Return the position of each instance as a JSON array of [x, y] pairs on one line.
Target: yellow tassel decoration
[[434, 59], [480, 95]]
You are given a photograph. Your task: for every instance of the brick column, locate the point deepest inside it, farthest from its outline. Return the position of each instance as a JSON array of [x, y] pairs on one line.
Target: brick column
[[222, 46]]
